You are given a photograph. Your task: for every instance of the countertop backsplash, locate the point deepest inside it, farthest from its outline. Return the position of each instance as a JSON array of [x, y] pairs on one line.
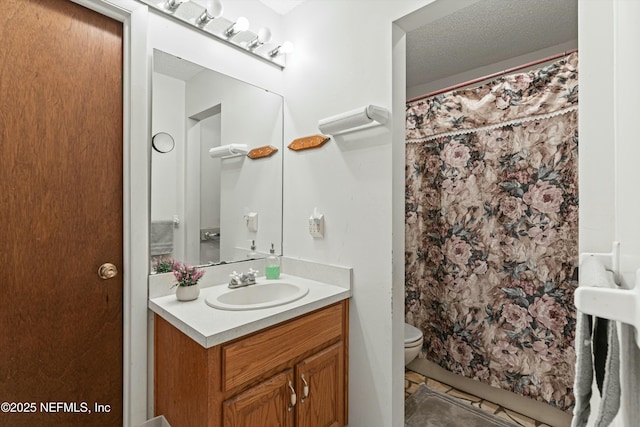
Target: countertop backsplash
[[162, 284]]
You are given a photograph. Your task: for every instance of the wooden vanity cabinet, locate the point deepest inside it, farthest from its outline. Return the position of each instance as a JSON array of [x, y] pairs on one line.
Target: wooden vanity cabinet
[[250, 381]]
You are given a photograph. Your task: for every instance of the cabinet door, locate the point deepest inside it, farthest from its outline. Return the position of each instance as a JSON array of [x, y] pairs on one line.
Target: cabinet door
[[265, 405], [323, 374]]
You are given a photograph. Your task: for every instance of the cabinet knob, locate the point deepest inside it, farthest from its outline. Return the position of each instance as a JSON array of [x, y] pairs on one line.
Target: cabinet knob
[[293, 398], [305, 389]]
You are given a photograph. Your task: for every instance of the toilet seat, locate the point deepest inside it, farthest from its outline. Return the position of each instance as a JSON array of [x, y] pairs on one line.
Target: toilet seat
[[412, 336]]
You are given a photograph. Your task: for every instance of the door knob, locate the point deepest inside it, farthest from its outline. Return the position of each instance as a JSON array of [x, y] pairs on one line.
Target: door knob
[[107, 271]]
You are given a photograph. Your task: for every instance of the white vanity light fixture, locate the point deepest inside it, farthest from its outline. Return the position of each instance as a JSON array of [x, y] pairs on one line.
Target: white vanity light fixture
[[229, 150], [264, 36], [212, 10], [199, 14], [284, 48]]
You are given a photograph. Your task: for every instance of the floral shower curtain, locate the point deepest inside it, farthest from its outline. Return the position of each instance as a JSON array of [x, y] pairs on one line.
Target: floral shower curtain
[[492, 230]]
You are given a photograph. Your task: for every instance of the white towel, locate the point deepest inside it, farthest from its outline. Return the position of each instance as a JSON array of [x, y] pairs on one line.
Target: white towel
[[161, 238], [630, 375], [597, 356], [584, 371]]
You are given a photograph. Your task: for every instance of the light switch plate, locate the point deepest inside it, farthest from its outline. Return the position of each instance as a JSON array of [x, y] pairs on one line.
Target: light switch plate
[[252, 221]]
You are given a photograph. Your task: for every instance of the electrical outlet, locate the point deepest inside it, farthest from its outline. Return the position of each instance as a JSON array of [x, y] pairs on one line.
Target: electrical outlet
[[316, 226]]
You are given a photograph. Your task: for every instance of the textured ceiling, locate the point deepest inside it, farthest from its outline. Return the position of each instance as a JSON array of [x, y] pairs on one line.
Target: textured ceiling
[[487, 32]]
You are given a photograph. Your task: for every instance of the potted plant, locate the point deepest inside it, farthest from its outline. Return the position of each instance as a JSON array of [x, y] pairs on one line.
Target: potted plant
[[164, 265], [187, 281]]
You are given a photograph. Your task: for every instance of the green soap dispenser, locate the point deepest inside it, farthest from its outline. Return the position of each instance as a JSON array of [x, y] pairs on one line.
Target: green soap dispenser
[[272, 269]]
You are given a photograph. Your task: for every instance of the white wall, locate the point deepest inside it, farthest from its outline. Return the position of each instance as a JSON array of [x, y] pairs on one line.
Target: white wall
[[627, 149], [609, 105], [343, 60], [166, 172], [209, 173], [252, 116], [596, 126]]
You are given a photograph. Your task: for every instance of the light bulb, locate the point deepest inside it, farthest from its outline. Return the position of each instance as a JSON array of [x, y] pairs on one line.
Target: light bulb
[[264, 36], [212, 10], [284, 48], [287, 47], [242, 24]]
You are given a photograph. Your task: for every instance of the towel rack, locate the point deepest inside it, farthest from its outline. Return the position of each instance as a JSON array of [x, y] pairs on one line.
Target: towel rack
[[598, 293], [360, 118]]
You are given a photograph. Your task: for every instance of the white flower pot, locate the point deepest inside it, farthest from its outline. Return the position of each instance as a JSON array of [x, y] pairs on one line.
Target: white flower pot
[[187, 293]]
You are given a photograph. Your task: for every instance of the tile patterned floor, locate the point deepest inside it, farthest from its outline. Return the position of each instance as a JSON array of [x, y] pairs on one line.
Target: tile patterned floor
[[413, 379]]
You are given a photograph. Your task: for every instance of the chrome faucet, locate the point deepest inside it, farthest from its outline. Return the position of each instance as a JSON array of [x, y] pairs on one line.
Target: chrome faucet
[[239, 280]]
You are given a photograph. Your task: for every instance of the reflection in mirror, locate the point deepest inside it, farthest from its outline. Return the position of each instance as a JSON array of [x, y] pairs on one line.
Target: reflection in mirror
[[205, 210]]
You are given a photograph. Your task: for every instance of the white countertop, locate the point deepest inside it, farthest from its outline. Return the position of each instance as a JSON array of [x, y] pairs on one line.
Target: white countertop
[[209, 326]]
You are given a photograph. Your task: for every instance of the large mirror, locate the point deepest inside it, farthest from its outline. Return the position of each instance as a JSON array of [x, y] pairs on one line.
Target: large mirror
[[208, 209]]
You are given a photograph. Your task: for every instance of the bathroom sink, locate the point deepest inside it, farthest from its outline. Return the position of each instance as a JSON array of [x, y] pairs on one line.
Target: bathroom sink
[[254, 297]]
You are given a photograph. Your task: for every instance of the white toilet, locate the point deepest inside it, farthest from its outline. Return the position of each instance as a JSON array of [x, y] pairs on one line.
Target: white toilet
[[412, 342]]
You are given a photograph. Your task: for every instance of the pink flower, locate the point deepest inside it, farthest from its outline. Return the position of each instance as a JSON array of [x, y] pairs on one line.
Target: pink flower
[[516, 316], [497, 143], [455, 154], [521, 176], [187, 275], [452, 186], [480, 267], [432, 163], [459, 350], [544, 237], [457, 251], [520, 82], [548, 353], [436, 347], [514, 249], [512, 208], [527, 286], [571, 214], [435, 254], [548, 313], [544, 197], [431, 198], [503, 101], [505, 355]]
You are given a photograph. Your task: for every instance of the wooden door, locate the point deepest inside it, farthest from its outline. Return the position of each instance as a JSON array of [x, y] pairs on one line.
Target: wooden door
[[265, 405], [60, 215], [323, 374]]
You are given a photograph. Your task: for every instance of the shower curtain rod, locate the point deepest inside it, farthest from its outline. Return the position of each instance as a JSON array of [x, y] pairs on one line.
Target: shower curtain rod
[[494, 75]]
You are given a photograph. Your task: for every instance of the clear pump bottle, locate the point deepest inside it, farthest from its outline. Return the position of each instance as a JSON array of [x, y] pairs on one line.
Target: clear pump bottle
[[272, 268], [252, 253]]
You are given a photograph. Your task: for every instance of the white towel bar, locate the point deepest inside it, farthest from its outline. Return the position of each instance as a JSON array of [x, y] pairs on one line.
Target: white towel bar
[[599, 295]]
